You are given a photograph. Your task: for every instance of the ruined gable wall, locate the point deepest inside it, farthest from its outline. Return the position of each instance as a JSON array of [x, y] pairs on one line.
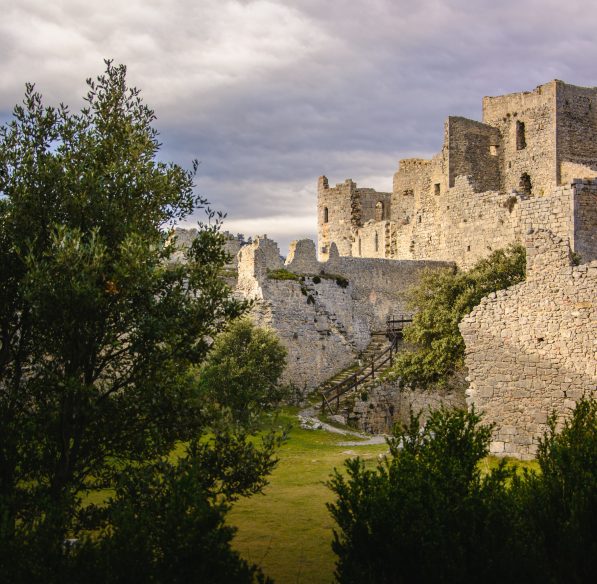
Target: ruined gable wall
[[537, 111], [411, 179], [530, 349], [576, 111], [338, 202], [473, 150], [369, 199]]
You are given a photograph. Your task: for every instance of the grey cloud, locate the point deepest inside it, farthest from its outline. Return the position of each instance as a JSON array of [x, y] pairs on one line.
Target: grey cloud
[[271, 94]]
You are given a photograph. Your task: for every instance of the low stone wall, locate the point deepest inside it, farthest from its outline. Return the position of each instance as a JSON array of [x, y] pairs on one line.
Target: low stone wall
[[379, 408], [531, 349]]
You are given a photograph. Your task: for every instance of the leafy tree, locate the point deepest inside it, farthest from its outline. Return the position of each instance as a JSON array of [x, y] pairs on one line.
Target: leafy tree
[[440, 301], [242, 371], [99, 331]]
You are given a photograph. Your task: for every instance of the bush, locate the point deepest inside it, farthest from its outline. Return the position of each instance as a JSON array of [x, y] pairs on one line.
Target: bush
[[282, 274], [342, 281], [419, 515], [440, 301], [243, 370], [426, 514]]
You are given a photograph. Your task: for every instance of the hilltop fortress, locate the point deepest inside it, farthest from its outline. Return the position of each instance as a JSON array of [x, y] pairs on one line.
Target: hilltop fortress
[[523, 174], [492, 182]]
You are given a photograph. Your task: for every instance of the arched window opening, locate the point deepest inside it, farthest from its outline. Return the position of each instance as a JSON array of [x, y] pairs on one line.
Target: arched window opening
[[525, 184], [379, 211], [326, 215]]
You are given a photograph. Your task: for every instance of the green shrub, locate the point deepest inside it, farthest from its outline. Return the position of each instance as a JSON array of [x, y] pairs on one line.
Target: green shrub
[[427, 514], [341, 281], [282, 274], [440, 301], [242, 371], [422, 515]]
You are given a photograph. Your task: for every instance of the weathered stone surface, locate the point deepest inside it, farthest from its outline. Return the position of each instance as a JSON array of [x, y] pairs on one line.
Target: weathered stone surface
[[492, 182], [531, 351], [323, 320], [378, 408]]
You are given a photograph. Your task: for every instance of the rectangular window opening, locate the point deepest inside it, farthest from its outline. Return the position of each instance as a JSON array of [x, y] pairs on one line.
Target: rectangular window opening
[[521, 142], [436, 188]]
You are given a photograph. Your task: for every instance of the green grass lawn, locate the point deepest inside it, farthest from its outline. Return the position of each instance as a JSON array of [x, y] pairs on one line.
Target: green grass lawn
[[288, 530]]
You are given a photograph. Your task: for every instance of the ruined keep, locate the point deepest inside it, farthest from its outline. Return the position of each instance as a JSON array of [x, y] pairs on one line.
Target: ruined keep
[[491, 182]]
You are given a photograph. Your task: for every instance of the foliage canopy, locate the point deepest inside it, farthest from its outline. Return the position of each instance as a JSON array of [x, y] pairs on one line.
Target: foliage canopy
[[242, 371], [440, 301], [99, 335]]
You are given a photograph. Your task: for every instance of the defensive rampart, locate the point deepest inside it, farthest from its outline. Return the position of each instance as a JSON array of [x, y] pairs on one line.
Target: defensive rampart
[[531, 349]]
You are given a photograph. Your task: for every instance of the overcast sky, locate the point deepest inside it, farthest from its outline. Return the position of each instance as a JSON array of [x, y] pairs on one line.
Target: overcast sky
[[270, 94]]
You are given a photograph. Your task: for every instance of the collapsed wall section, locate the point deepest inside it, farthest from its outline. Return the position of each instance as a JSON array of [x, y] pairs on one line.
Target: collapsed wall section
[[530, 349], [576, 113], [474, 151]]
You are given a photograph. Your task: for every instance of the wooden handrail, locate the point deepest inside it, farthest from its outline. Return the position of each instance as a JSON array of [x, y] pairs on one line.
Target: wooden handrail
[[394, 328]]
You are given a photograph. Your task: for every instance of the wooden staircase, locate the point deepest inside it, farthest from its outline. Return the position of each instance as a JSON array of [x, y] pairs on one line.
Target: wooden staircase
[[378, 357]]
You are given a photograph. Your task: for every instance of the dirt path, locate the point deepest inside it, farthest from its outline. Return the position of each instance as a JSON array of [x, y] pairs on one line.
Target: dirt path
[[308, 419]]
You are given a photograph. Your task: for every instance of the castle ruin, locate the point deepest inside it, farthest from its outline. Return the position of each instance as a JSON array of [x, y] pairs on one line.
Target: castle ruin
[[492, 182], [523, 175]]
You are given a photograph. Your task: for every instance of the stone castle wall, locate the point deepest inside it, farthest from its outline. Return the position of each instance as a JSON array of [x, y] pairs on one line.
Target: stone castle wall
[[474, 151], [380, 407], [478, 194], [576, 111], [527, 124], [531, 349], [323, 321]]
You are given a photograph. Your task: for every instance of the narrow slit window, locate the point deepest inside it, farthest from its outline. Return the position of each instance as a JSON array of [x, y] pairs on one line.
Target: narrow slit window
[[376, 241], [326, 215], [521, 141], [436, 189]]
